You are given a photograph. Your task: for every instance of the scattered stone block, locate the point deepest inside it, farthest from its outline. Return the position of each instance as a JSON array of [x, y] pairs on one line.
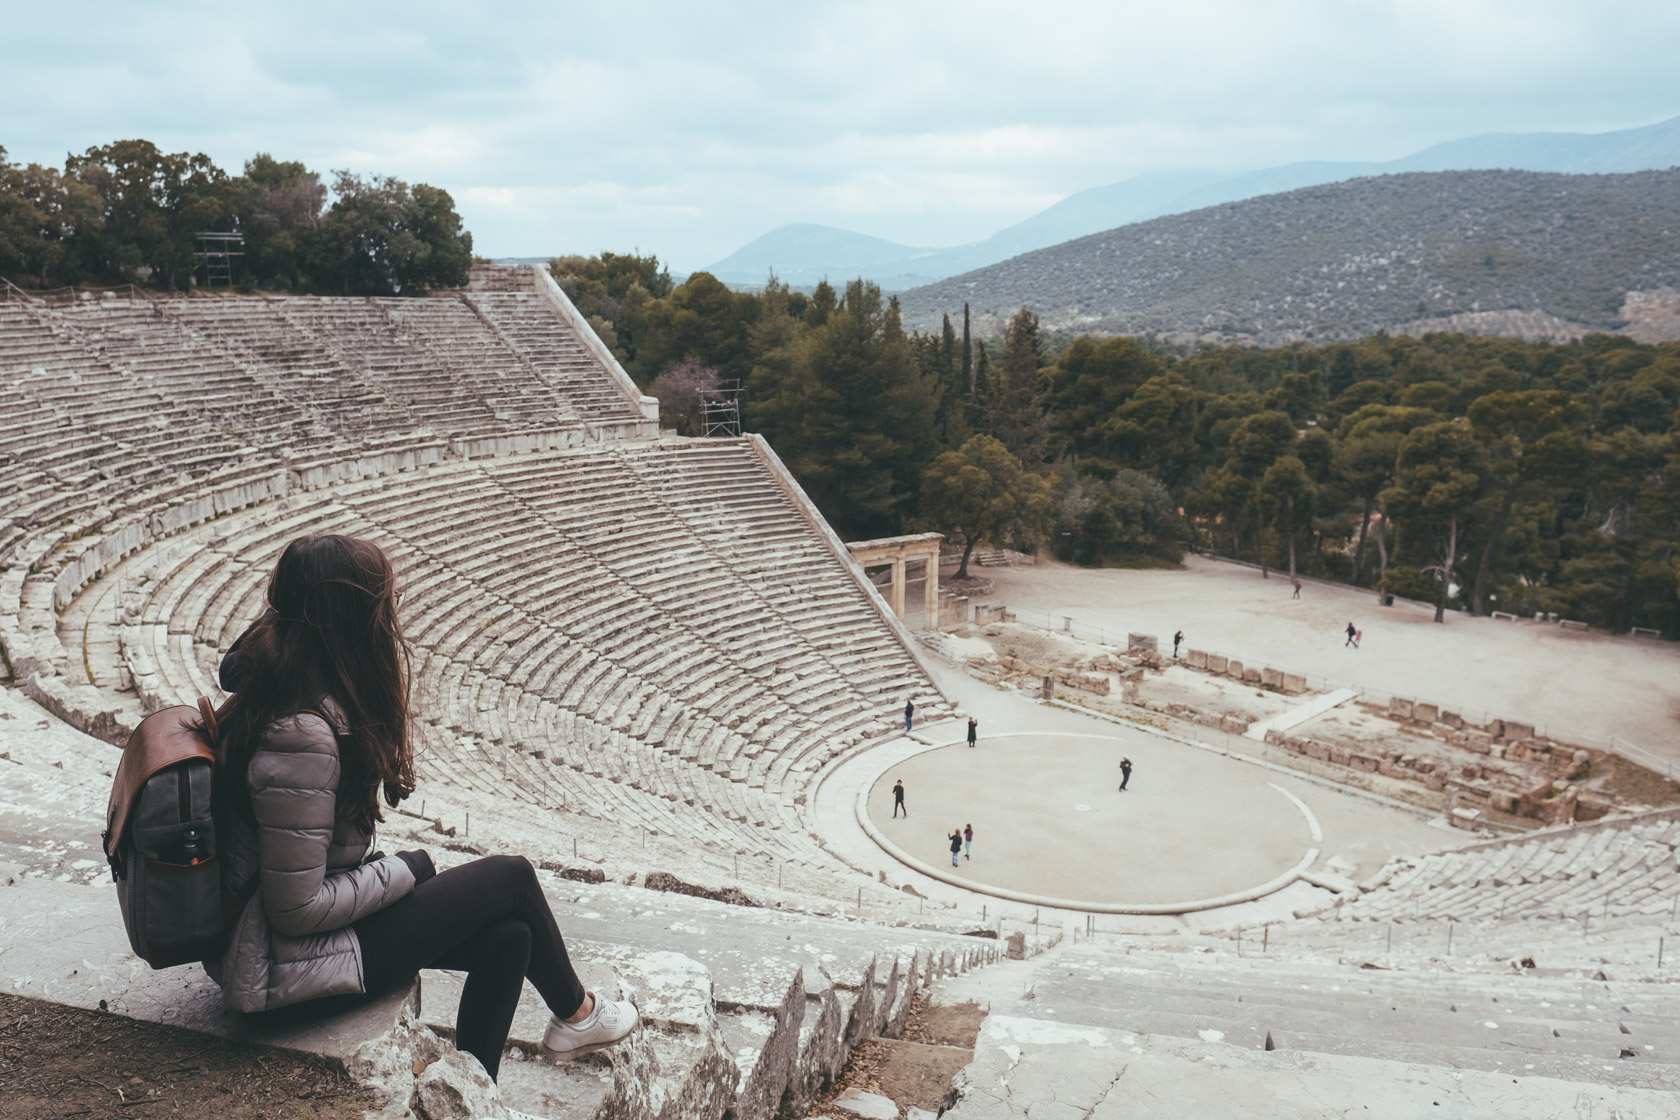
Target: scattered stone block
[[1271, 678], [1590, 807], [1016, 946], [1216, 663], [1095, 683], [1400, 708], [1452, 719], [1196, 658], [1505, 801], [1514, 732], [1294, 683], [455, 1087], [1468, 819], [1250, 675], [1318, 750], [1425, 713], [1141, 643], [1233, 725], [1363, 762], [870, 1106], [1234, 668]]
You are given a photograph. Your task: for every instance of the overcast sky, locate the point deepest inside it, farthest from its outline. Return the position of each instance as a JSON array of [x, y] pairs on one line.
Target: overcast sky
[[687, 129]]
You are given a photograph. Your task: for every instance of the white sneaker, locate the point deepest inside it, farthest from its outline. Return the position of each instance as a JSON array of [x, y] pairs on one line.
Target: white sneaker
[[609, 1023]]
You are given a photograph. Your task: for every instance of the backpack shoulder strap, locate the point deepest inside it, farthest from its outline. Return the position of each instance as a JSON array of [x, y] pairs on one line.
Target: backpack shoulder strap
[[207, 712], [163, 738]]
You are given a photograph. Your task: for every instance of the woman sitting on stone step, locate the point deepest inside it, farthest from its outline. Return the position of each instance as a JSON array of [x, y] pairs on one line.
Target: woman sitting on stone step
[[317, 726]]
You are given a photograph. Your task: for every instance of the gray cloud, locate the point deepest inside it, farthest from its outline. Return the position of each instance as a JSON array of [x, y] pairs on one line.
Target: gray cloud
[[688, 129]]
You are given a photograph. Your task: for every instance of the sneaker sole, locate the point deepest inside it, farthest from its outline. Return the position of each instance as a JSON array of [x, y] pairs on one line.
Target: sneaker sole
[[580, 1051]]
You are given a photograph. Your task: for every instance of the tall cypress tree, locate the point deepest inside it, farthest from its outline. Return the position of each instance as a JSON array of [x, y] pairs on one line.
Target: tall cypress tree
[[950, 421], [982, 380], [967, 380], [1016, 400]]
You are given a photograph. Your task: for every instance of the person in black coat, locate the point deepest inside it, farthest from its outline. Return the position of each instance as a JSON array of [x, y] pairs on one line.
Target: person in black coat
[[1125, 773], [973, 730], [956, 845]]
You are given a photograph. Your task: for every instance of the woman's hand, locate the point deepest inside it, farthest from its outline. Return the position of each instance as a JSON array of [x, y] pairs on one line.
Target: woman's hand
[[420, 863]]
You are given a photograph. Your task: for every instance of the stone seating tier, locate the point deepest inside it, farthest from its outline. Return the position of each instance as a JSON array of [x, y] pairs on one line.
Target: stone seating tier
[[1119, 1027], [745, 1016], [555, 668], [1624, 867]]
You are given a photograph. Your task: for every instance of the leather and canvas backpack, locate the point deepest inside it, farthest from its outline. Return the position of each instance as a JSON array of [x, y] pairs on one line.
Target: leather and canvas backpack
[[160, 840]]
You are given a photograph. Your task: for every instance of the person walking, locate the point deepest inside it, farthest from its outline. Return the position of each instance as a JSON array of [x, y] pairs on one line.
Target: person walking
[[909, 713], [973, 730], [1352, 637], [956, 845], [898, 800], [968, 841], [1297, 594], [1178, 639], [1125, 773], [318, 725]]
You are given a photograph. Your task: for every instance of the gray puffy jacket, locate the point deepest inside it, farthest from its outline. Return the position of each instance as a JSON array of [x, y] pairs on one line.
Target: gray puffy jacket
[[293, 940]]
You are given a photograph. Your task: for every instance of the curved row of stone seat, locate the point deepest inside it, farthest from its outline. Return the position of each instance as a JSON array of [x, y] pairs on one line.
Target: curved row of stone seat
[[554, 352], [750, 1010], [559, 767], [537, 706], [650, 638], [187, 380], [1625, 867]]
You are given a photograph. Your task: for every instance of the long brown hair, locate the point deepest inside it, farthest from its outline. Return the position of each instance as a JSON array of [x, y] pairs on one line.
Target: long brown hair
[[330, 629]]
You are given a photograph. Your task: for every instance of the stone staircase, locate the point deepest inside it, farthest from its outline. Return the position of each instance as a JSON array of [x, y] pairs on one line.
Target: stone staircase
[[1116, 1028], [748, 1013]]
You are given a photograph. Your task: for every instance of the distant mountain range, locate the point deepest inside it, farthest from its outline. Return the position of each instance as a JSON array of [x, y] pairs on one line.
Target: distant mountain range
[[1490, 252], [802, 254]]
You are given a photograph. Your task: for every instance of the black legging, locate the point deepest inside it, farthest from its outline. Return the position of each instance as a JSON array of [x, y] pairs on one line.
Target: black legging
[[489, 919]]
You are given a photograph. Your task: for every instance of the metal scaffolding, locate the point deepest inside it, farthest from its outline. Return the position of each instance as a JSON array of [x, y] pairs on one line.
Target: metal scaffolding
[[215, 253], [720, 408]]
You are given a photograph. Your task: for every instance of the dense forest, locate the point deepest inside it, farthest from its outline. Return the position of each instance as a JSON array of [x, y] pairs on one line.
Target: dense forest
[[1477, 473], [128, 213]]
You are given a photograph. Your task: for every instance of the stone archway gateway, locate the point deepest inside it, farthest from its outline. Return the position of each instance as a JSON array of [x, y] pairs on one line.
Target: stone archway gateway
[[899, 551]]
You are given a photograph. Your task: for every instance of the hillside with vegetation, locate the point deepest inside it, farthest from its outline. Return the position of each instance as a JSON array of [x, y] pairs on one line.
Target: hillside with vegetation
[[1477, 473], [1396, 252]]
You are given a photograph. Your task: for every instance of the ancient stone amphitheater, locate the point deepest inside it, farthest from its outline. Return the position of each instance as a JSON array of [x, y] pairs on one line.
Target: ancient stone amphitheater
[[637, 658]]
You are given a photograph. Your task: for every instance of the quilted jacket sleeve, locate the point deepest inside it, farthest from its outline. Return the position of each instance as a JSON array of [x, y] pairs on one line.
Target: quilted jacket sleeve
[[294, 787]]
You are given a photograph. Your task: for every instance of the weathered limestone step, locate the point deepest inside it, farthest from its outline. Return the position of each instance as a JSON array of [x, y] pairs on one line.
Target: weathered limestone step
[[64, 942], [1517, 1025], [1029, 1067], [755, 1008], [1299, 714]]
